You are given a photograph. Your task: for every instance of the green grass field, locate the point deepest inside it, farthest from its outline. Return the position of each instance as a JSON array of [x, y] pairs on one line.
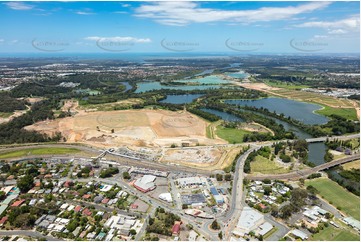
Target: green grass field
[[5, 115], [38, 151], [285, 85], [338, 196], [349, 113], [335, 234], [266, 166], [233, 136]]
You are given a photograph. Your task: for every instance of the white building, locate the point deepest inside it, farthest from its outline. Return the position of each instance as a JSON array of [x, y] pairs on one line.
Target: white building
[[249, 220], [299, 234], [165, 197], [191, 181], [146, 183]]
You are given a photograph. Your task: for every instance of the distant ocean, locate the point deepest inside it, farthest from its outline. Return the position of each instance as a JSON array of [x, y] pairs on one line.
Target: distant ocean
[[141, 57], [137, 57]]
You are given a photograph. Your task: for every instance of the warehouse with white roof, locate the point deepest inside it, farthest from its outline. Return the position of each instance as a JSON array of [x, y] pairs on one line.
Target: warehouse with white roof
[[146, 183]]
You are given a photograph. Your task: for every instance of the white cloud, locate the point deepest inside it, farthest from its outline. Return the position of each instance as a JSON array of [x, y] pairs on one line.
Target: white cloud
[[84, 13], [19, 6], [320, 36], [183, 13], [337, 31], [343, 26], [119, 39]]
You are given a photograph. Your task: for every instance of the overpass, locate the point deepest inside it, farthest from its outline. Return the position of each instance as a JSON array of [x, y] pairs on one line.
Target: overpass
[[295, 175], [323, 139]]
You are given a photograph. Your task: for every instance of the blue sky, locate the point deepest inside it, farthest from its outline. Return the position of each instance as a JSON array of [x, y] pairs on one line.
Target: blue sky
[[126, 27]]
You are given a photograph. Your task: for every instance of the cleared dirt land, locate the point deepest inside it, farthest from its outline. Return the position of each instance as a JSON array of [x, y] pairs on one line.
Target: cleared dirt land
[[152, 128], [208, 157]]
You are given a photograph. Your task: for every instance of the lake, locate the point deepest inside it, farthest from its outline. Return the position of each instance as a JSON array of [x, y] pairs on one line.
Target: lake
[[240, 74], [215, 80], [225, 116], [316, 152], [180, 99], [149, 86], [127, 86], [301, 111]]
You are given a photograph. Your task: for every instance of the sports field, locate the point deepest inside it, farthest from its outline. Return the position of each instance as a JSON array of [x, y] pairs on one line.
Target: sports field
[[335, 234], [233, 136], [38, 151], [338, 196]]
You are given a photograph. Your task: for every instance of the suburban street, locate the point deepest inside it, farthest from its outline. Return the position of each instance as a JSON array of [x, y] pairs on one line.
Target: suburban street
[[30, 233]]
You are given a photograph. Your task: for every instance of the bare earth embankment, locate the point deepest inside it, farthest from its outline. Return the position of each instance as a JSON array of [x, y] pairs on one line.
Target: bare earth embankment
[[152, 128]]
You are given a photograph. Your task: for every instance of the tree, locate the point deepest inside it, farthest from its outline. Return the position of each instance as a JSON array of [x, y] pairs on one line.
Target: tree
[[215, 225], [219, 177], [72, 225], [220, 235], [126, 175], [286, 211], [227, 177], [267, 191], [2, 195], [132, 232], [25, 183]]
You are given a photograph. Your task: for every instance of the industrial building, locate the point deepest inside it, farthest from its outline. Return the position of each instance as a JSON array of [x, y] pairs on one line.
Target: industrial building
[[146, 183], [165, 197], [194, 199], [249, 220], [192, 181]]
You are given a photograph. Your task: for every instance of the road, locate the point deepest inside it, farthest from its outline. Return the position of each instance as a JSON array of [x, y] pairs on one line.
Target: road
[[295, 175], [28, 233], [235, 207]]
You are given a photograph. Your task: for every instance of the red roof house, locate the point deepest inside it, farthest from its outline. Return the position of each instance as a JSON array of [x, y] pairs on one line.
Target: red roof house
[[77, 208], [3, 221], [68, 183], [134, 206], [86, 196], [18, 203], [176, 227], [105, 200], [87, 212]]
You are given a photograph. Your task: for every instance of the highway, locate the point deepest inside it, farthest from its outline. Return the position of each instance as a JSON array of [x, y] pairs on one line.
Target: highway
[[295, 175], [235, 208]]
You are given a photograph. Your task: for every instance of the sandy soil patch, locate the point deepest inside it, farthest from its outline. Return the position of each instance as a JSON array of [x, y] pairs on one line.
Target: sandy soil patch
[[14, 115], [208, 158], [258, 86]]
